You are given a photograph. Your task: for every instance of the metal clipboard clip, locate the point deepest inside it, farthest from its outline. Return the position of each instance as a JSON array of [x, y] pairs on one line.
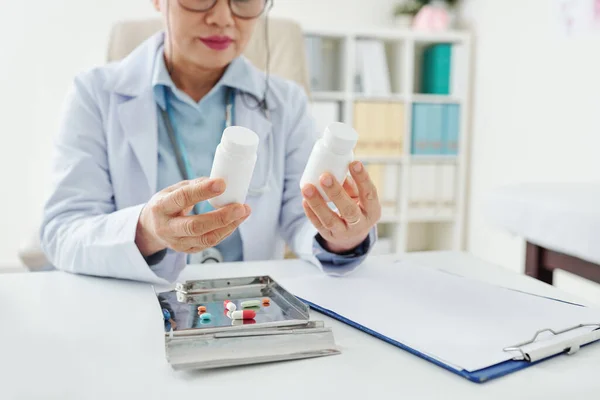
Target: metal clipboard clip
[[568, 341]]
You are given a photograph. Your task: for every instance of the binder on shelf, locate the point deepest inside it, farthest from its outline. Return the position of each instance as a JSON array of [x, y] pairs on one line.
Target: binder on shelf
[[435, 128], [366, 127], [361, 125], [323, 63], [373, 68], [447, 180], [436, 69], [395, 127], [313, 54], [419, 144], [380, 127], [477, 330], [422, 195], [451, 131], [428, 126], [330, 65]]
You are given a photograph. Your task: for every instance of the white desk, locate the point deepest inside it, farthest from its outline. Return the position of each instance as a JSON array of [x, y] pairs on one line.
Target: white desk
[[73, 337]]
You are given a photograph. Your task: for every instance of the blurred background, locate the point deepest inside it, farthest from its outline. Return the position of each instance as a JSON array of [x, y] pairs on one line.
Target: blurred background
[[472, 114]]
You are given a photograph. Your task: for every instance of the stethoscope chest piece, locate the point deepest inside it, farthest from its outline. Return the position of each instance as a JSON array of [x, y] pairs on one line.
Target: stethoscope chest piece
[[208, 256]]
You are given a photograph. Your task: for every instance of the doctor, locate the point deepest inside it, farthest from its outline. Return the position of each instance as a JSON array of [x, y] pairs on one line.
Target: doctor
[[137, 136]]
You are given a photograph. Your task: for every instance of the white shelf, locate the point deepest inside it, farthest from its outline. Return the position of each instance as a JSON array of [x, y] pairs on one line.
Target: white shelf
[[430, 218], [381, 159], [454, 37], [435, 99], [389, 34], [398, 98], [404, 178], [433, 159], [328, 96], [391, 218]]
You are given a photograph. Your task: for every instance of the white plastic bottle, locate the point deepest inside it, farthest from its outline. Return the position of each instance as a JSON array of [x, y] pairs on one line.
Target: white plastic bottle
[[234, 162], [332, 153]]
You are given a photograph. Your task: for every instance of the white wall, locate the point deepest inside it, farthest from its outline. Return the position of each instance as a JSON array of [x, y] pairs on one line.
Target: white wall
[[43, 45], [535, 107]]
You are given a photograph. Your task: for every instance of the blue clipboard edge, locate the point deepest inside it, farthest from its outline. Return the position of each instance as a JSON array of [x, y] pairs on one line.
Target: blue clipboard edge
[[480, 376]]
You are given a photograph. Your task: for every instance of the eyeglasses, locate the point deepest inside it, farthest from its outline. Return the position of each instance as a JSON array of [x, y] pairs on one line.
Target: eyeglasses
[[245, 9]]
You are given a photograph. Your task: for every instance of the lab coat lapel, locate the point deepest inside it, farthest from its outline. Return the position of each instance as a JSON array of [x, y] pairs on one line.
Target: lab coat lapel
[[139, 121], [251, 118], [136, 106], [255, 120]]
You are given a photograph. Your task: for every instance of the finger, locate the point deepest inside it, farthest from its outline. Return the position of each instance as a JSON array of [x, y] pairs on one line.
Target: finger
[[198, 225], [312, 216], [209, 239], [350, 187], [329, 219], [188, 195], [176, 186], [349, 210], [367, 192]]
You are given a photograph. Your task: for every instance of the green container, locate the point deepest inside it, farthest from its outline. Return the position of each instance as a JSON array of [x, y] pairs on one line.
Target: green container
[[435, 77]]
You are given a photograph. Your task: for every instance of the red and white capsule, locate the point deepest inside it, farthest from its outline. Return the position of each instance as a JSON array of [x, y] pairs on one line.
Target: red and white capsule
[[242, 314], [229, 305]]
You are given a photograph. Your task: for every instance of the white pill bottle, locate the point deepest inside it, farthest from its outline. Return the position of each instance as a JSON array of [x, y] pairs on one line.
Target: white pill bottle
[[332, 153], [234, 162]]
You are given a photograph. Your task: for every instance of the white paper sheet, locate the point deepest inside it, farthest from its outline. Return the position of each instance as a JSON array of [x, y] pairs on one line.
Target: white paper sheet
[[466, 323]]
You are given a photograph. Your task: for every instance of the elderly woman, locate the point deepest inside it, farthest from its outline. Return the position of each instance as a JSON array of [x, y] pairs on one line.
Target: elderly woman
[[137, 136]]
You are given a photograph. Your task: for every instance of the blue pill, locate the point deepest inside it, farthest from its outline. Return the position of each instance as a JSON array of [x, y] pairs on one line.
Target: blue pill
[[166, 314], [205, 316]]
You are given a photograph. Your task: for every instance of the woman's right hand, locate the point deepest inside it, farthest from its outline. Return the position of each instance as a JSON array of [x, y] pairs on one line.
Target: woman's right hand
[[164, 222]]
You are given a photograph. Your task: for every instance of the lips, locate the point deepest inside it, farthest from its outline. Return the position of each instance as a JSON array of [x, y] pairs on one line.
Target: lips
[[217, 42]]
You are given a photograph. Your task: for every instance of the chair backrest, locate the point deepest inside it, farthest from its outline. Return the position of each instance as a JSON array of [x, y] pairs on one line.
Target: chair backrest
[[286, 44]]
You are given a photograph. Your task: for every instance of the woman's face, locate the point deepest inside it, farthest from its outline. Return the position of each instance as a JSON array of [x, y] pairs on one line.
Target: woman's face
[[207, 39]]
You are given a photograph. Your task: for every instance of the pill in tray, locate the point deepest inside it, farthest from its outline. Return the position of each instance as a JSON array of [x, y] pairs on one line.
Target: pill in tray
[[250, 303], [242, 314], [229, 305]]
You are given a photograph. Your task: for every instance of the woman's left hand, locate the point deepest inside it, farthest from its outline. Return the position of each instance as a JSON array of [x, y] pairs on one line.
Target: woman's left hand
[[358, 205]]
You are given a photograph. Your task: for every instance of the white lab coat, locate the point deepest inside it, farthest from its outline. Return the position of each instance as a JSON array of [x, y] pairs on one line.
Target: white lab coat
[[105, 170]]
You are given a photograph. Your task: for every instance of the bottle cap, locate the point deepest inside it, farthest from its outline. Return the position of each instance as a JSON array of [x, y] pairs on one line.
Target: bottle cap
[[239, 140], [340, 138]]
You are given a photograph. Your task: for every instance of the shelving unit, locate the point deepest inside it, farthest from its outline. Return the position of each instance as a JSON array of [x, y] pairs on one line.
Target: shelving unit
[[434, 222]]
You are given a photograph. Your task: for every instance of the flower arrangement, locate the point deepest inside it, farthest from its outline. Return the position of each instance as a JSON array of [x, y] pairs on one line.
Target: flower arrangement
[[412, 7], [409, 7], [420, 13]]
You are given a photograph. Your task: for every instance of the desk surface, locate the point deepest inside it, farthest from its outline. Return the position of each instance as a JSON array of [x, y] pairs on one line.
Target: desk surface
[[74, 337]]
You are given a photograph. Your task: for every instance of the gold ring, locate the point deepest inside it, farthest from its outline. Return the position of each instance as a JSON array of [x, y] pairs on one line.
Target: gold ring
[[353, 222]]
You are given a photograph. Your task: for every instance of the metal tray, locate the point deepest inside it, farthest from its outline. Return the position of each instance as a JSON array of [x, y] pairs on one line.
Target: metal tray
[[183, 302]]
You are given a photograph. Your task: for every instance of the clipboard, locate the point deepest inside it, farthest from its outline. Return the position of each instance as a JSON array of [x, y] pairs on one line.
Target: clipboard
[[480, 376], [477, 330]]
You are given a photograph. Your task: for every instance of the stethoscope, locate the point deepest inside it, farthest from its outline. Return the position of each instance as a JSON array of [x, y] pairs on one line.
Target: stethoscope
[[183, 164]]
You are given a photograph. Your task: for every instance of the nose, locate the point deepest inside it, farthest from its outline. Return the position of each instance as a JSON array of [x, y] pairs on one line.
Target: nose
[[220, 15]]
